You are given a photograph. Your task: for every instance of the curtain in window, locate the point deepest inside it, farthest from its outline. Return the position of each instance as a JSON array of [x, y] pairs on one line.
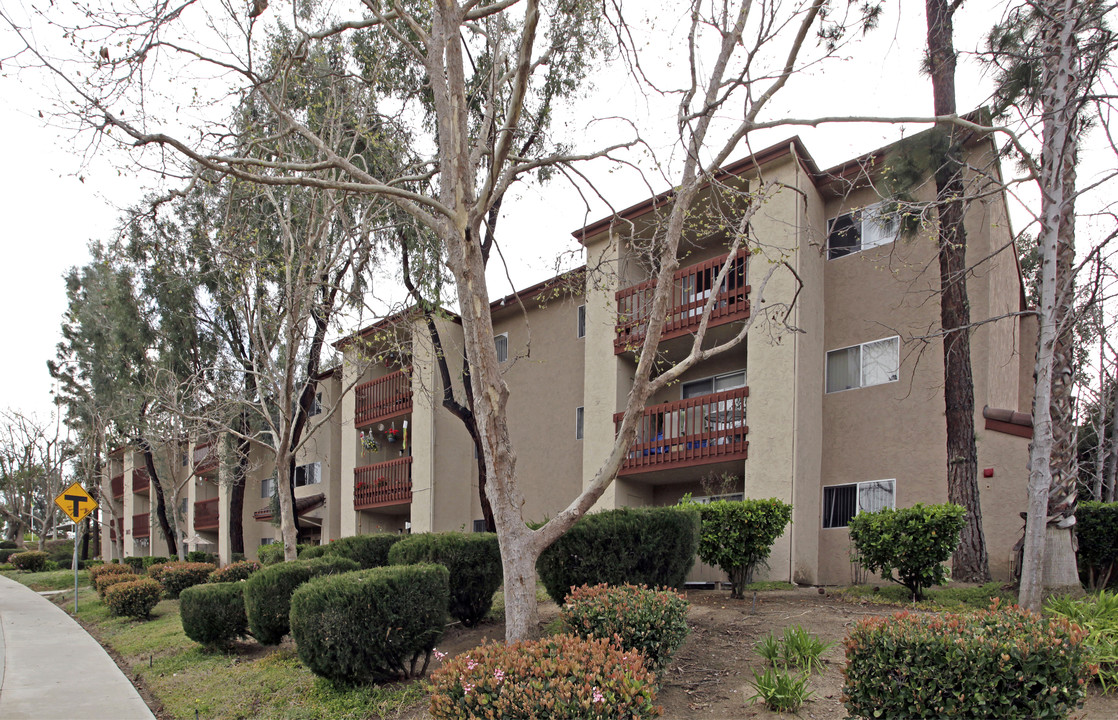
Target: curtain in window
[[880, 361], [874, 496], [842, 369], [877, 227]]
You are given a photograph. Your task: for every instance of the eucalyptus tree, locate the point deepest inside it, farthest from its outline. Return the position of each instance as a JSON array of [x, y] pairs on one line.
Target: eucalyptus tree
[[33, 454], [464, 155]]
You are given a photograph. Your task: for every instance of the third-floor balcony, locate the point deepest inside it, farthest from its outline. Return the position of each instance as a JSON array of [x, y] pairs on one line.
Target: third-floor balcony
[[382, 484], [141, 525], [118, 486], [205, 459], [690, 292], [386, 397], [684, 433], [140, 481], [206, 517]]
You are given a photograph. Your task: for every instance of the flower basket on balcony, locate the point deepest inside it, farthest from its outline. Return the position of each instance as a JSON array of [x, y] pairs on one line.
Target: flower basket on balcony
[[382, 481], [369, 443], [392, 434]]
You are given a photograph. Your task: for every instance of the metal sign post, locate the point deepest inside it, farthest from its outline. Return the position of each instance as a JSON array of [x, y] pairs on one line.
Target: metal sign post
[[76, 503], [77, 541]]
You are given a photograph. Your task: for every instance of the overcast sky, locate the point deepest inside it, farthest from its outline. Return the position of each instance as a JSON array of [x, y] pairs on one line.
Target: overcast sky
[[50, 216]]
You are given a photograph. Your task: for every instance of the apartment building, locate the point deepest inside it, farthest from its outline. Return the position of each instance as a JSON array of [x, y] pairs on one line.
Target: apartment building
[[834, 402]]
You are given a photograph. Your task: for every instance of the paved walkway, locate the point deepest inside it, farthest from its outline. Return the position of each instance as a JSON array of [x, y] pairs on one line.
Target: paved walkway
[[51, 668]]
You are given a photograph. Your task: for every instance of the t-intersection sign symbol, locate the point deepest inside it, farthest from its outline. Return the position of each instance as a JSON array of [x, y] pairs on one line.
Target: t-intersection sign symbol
[[76, 502]]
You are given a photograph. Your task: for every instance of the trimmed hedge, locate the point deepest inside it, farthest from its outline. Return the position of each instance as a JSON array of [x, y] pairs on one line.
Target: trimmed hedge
[[474, 562], [135, 562], [8, 545], [108, 569], [201, 556], [1096, 528], [155, 572], [372, 624], [178, 576], [155, 560], [268, 594], [30, 561], [368, 551], [104, 582], [234, 572], [642, 546], [651, 622], [6, 553], [273, 553], [914, 541], [561, 677], [739, 535], [134, 599], [997, 663], [213, 614]]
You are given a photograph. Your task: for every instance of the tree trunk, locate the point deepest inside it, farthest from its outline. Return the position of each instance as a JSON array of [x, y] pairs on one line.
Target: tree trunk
[[160, 505], [969, 563]]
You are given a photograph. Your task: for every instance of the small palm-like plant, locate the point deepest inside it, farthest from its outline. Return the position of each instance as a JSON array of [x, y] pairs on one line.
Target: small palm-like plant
[[780, 690]]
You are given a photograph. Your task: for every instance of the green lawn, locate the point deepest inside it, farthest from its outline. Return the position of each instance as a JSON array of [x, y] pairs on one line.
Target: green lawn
[[938, 598]]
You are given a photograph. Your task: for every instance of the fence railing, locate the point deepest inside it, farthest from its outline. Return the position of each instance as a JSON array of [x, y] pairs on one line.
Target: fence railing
[[386, 397], [206, 515], [386, 483], [691, 290], [141, 525], [696, 431]]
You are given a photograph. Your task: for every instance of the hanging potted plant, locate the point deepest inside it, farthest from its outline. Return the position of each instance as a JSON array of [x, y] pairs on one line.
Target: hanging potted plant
[[369, 443], [392, 434]]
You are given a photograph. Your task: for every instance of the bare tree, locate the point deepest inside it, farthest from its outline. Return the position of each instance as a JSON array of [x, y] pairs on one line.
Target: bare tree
[[32, 456]]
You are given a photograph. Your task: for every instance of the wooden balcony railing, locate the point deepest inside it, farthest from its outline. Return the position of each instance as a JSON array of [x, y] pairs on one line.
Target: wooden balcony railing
[[684, 433], [386, 397], [141, 525], [205, 459], [690, 292], [386, 483], [140, 481], [206, 515], [118, 486], [116, 529]]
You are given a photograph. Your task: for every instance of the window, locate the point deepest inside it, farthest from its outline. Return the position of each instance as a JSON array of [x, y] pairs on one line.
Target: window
[[309, 474], [581, 327], [502, 343], [578, 422], [719, 383], [316, 406], [268, 487], [266, 541], [861, 230], [479, 525], [872, 363], [842, 502], [705, 499]]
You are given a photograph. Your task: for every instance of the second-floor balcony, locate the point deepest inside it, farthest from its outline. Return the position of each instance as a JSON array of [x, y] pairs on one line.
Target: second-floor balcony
[[382, 484], [141, 525], [206, 516], [684, 433], [690, 293], [386, 397], [116, 529], [140, 481], [118, 486]]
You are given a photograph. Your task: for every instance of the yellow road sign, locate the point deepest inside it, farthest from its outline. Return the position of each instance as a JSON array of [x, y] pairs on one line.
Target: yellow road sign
[[76, 502]]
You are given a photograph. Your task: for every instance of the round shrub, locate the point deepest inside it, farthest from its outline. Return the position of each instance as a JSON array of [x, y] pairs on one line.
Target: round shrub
[[108, 569], [178, 576], [30, 561], [914, 541], [135, 562], [651, 622], [155, 572], [644, 546], [8, 545], [562, 677], [133, 599], [104, 582], [154, 560], [6, 553], [999, 663], [368, 551], [372, 624], [234, 572], [268, 594], [474, 562], [273, 553], [213, 614], [201, 556], [737, 536]]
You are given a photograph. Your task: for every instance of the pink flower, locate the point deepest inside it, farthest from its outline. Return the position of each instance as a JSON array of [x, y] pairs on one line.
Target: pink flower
[[439, 655], [598, 697], [498, 674], [467, 687], [471, 664]]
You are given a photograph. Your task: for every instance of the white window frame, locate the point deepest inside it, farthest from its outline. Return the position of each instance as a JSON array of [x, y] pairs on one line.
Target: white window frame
[[890, 229], [306, 468], [580, 420], [504, 335], [857, 499], [316, 405], [895, 376], [266, 541], [713, 380], [580, 322], [266, 491]]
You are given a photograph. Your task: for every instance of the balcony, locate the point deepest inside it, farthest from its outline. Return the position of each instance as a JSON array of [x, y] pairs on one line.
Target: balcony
[[206, 515], [383, 484], [140, 481], [118, 486], [116, 529], [386, 397], [684, 433], [205, 459], [141, 525], [690, 292]]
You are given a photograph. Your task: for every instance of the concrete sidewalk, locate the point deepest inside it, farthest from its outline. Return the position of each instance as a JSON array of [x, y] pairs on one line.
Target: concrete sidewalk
[[51, 668]]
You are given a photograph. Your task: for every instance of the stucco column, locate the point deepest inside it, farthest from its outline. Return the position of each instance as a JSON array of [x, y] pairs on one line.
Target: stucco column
[[423, 385], [347, 525], [224, 495]]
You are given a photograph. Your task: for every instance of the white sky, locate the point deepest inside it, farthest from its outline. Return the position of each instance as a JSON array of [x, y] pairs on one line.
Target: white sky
[[49, 216]]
